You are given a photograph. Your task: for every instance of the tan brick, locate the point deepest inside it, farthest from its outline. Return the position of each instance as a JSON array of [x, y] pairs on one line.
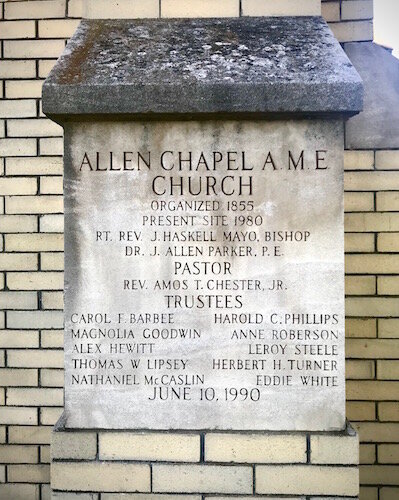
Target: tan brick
[[364, 328], [17, 29], [57, 28], [388, 370], [357, 9], [18, 454], [372, 390], [387, 160], [353, 31], [388, 328], [75, 8], [18, 147], [45, 66], [146, 496], [35, 397], [379, 474], [34, 9], [388, 453], [45, 457], [199, 8], [52, 338], [389, 494], [358, 242], [2, 474], [19, 491], [20, 434], [18, 224], [51, 146], [18, 377], [315, 480], [17, 69], [149, 446], [371, 181], [53, 300], [388, 201], [388, 285], [18, 300], [280, 8], [52, 261], [29, 49], [51, 378], [18, 185], [372, 221], [359, 369], [34, 242], [34, 319], [359, 202], [19, 338], [39, 165], [372, 348], [360, 285], [330, 11], [46, 492], [18, 262], [100, 476], [53, 223], [38, 127], [74, 445], [125, 9], [51, 185], [18, 416], [50, 416], [23, 88], [368, 493], [36, 358], [255, 448], [388, 412], [10, 108], [372, 264], [388, 242], [371, 306], [367, 454], [250, 497], [2, 434], [29, 473], [35, 281], [203, 478], [329, 449]]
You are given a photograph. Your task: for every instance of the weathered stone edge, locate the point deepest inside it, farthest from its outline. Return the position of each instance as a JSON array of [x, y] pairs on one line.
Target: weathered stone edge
[[226, 99]]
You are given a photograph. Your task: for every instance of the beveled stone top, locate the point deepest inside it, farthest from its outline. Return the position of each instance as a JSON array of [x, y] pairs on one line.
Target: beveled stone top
[[251, 66]]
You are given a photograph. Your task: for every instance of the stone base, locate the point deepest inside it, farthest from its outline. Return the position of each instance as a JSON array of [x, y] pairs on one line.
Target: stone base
[[127, 465]]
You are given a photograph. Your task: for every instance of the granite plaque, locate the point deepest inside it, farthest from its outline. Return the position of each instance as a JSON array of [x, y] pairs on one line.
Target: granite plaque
[[204, 275]]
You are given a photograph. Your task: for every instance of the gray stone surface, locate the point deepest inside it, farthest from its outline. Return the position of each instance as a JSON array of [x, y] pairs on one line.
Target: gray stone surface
[[378, 125], [190, 66], [209, 361]]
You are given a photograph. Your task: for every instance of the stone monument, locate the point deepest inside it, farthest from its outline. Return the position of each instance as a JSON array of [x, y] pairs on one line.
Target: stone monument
[[204, 257]]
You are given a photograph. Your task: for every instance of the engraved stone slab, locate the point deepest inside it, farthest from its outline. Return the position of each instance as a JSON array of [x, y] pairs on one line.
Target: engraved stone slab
[[204, 275]]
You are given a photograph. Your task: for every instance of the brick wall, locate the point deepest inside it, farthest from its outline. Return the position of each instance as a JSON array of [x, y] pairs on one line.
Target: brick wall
[[211, 463], [33, 34]]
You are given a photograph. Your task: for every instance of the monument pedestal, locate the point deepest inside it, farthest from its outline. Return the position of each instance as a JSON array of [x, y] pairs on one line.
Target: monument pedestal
[[204, 260]]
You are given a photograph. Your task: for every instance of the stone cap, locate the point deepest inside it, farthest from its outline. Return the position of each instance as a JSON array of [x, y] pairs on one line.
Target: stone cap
[[185, 67]]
